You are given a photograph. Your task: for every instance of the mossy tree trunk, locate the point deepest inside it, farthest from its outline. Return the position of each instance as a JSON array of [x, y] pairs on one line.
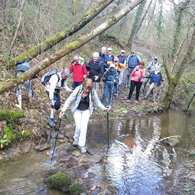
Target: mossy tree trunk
[[69, 47], [10, 115], [136, 23], [51, 41], [179, 13], [175, 78]]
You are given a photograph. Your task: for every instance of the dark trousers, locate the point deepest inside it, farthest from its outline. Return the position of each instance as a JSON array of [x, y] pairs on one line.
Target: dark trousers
[[134, 85]]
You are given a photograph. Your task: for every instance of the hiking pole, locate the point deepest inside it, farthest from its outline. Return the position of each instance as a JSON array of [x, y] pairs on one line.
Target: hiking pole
[[186, 110], [56, 129], [108, 130]]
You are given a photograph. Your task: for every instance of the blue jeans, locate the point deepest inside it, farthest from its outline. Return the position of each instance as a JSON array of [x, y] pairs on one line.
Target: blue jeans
[[108, 93]]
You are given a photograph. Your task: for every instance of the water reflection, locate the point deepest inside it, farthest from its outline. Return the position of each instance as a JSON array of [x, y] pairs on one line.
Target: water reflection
[[137, 160]]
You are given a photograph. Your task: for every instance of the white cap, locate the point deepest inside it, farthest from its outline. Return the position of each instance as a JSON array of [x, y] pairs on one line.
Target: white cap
[[109, 49], [122, 51]]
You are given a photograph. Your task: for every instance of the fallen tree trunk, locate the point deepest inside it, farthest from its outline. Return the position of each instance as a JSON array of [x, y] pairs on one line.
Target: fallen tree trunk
[[51, 41], [69, 47], [10, 115]]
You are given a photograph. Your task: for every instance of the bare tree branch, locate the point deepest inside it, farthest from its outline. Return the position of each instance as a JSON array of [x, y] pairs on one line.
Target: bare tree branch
[[69, 47], [18, 26]]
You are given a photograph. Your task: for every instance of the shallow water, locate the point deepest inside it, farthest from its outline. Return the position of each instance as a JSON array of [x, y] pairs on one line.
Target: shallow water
[[148, 155], [140, 161]]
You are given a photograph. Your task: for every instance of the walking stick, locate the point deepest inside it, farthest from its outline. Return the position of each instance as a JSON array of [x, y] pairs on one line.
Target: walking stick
[[186, 110], [108, 130], [56, 129]]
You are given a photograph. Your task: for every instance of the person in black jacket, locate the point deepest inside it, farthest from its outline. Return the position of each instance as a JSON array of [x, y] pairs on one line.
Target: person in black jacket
[[95, 68]]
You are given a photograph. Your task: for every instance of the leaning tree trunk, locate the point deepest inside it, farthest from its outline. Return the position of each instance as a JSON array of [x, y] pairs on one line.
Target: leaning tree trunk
[[136, 24], [51, 41], [174, 80], [68, 48]]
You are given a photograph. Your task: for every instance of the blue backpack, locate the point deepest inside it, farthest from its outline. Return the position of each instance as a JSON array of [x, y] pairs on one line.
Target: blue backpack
[[46, 77], [22, 67]]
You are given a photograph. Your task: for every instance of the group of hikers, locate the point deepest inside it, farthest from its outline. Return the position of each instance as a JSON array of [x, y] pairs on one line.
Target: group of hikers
[[94, 83]]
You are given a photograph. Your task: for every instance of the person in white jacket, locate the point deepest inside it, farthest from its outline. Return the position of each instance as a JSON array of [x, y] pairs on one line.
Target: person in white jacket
[[82, 101], [53, 87]]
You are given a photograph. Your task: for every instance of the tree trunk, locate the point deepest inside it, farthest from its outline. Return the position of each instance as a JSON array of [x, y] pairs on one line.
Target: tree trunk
[[136, 23], [51, 41], [10, 115], [178, 21], [174, 80], [69, 47]]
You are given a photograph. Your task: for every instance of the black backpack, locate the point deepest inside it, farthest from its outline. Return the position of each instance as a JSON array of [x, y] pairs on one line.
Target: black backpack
[[46, 77]]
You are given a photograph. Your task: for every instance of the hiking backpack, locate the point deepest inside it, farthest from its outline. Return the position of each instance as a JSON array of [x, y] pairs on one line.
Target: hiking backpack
[[46, 77], [22, 67]]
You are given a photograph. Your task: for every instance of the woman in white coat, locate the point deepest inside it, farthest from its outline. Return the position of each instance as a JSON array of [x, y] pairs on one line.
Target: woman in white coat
[[82, 101]]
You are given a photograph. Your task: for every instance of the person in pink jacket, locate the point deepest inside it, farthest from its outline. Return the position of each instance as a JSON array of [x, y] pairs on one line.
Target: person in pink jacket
[[137, 78]]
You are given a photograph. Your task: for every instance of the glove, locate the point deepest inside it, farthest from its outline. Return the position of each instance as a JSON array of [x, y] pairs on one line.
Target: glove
[[96, 78], [108, 108]]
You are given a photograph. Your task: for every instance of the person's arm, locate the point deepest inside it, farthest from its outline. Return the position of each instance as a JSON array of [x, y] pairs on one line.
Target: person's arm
[[70, 99], [126, 61], [68, 89], [71, 68], [84, 70], [97, 101], [138, 58]]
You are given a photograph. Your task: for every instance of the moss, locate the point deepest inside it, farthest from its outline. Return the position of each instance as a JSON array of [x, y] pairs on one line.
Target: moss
[[11, 115], [8, 136], [59, 181], [76, 189]]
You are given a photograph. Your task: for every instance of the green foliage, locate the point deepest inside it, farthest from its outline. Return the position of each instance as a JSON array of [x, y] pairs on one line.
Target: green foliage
[[76, 189], [24, 134], [59, 181], [11, 115], [8, 137]]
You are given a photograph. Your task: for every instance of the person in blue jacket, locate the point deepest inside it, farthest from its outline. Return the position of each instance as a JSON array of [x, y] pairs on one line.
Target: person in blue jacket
[[110, 78], [155, 82], [132, 61]]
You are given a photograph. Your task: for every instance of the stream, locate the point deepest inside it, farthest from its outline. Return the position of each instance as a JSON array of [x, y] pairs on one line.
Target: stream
[[148, 156]]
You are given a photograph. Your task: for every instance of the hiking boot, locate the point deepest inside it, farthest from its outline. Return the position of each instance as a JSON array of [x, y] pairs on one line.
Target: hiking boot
[[83, 149], [51, 122], [18, 106]]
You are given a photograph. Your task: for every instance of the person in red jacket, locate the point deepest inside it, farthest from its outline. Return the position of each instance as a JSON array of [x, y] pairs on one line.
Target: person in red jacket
[[137, 78], [78, 71]]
